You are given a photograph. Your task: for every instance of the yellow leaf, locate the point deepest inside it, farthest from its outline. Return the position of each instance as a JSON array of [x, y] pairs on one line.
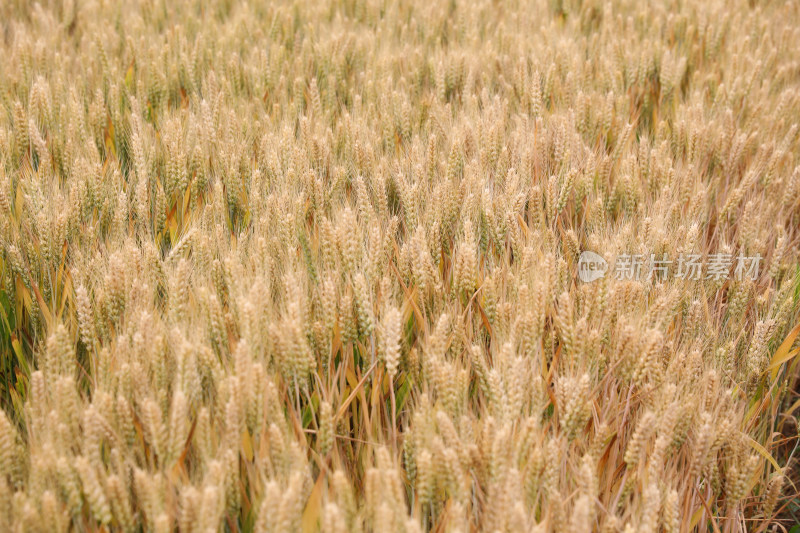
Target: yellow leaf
[[22, 290], [109, 138], [17, 347], [696, 517], [311, 512], [763, 451], [247, 445], [129, 76], [757, 406], [782, 354], [173, 229], [785, 359], [793, 408]]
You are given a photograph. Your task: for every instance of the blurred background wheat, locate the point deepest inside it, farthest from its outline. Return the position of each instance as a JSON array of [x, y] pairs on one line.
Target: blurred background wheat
[[311, 265]]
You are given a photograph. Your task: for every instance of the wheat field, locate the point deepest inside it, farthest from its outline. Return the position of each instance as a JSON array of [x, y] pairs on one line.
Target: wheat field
[[321, 265]]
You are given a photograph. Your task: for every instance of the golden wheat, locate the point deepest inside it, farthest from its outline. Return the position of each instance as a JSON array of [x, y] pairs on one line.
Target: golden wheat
[[316, 265]]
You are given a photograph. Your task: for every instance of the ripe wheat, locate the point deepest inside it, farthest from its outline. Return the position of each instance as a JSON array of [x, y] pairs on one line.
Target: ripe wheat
[[313, 265]]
